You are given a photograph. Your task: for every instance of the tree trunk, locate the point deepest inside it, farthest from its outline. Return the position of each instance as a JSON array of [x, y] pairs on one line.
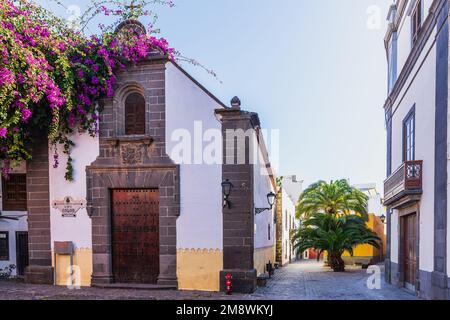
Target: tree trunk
[[336, 262]]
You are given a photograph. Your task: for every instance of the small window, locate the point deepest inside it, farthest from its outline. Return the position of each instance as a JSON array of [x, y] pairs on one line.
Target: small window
[[135, 114], [14, 189], [409, 136], [4, 245], [286, 220], [416, 21], [392, 62], [268, 232]]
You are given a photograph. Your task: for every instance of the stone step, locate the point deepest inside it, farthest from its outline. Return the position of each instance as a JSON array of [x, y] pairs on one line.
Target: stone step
[[135, 286]]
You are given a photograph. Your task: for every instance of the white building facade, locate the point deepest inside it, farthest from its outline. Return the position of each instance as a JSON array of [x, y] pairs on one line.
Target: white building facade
[[147, 205], [288, 194], [416, 189], [13, 225]]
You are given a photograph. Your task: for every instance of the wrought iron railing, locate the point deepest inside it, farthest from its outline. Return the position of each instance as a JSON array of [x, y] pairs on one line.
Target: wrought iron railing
[[406, 178]]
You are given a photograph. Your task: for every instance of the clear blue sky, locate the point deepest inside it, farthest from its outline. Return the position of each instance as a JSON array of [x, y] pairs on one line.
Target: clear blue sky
[[312, 69]]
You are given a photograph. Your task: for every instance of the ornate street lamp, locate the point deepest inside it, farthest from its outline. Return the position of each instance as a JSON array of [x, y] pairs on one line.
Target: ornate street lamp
[[383, 219], [271, 200], [226, 191]]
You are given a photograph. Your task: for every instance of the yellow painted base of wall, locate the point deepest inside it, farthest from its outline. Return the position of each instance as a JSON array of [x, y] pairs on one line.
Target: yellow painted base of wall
[[358, 260], [262, 257], [198, 269], [82, 261]]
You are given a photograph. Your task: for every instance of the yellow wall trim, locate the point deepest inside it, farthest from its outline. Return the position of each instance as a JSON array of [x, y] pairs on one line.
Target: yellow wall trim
[[262, 257], [82, 260], [199, 268], [198, 250]]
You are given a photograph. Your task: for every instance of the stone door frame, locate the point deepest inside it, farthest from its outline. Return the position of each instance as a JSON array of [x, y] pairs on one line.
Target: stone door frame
[[100, 183]]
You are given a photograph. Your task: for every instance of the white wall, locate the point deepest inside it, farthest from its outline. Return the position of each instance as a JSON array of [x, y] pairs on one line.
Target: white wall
[[293, 189], [263, 186], [200, 222], [13, 225], [419, 90], [375, 206], [289, 208], [404, 33], [394, 237], [78, 230]]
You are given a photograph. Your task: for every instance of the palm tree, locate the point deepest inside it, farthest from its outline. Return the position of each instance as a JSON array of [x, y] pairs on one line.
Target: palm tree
[[335, 216], [334, 234], [337, 197]]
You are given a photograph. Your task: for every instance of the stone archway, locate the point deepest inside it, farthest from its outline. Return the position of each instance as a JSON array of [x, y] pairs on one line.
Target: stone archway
[[101, 182]]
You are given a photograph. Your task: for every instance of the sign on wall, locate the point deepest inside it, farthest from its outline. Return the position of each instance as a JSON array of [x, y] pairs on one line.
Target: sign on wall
[[69, 206]]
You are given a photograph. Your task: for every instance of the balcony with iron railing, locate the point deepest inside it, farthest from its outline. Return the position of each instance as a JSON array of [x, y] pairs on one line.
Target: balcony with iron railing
[[404, 186]]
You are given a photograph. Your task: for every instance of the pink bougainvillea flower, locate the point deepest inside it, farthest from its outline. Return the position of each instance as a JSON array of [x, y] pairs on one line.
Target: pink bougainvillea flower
[[49, 67], [26, 115], [6, 77], [3, 132]]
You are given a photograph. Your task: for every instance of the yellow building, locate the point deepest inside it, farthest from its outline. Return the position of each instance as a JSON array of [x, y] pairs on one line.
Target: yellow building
[[367, 254]]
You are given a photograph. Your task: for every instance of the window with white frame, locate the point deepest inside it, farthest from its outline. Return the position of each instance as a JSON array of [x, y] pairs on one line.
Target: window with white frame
[[392, 62], [409, 136]]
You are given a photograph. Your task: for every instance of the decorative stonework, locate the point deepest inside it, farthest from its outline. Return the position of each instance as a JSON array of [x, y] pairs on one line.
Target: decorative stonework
[[69, 206], [134, 162], [132, 154], [130, 27], [199, 250]]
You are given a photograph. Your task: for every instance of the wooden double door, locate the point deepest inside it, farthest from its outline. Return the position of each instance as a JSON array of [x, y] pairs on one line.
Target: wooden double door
[[135, 235], [409, 249]]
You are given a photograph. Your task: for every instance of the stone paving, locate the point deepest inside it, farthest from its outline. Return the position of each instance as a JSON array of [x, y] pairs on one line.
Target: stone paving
[[309, 280], [305, 280], [14, 290]]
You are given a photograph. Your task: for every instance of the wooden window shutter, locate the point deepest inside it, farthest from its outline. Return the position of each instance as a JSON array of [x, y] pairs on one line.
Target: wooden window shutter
[[14, 192], [135, 114]]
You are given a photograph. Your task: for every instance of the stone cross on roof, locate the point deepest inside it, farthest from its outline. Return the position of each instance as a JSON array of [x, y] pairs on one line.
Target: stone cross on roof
[[132, 8]]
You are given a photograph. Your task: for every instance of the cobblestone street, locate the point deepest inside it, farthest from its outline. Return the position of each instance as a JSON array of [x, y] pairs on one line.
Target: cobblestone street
[[309, 280], [12, 290], [298, 281]]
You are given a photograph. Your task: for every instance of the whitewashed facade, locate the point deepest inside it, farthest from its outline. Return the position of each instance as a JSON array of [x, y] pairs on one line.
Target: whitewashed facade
[[13, 231], [287, 222], [154, 193], [416, 190]]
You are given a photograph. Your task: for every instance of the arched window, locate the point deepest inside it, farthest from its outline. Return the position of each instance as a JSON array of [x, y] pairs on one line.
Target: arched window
[[135, 114]]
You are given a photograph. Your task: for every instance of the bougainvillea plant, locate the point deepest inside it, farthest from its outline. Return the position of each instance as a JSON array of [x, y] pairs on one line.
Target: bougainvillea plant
[[52, 77]]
